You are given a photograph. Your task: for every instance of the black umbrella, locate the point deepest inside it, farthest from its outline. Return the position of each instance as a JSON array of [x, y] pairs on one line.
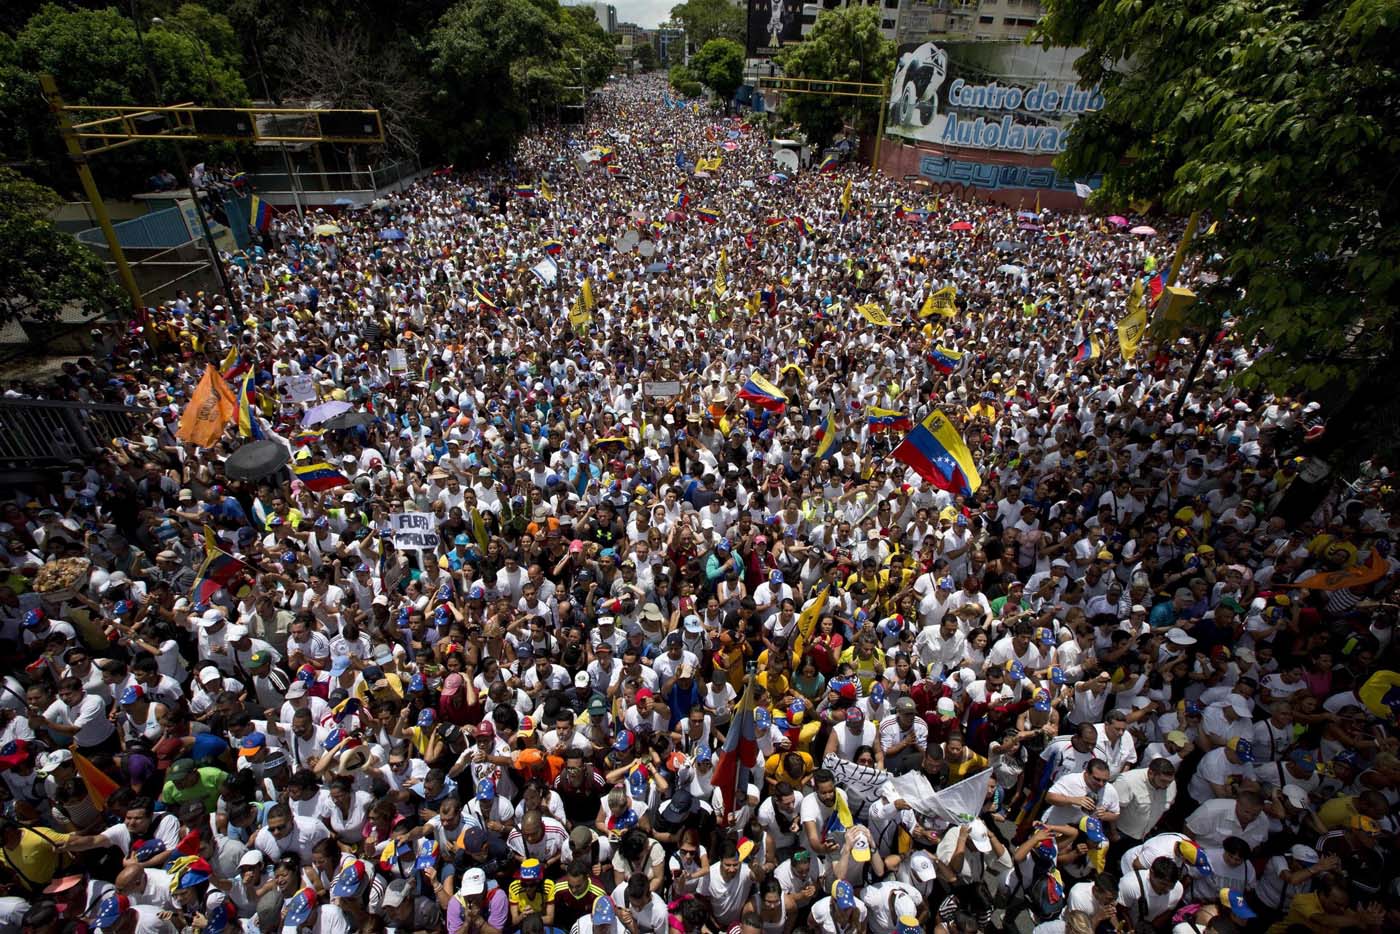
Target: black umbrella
[[347, 420], [256, 460]]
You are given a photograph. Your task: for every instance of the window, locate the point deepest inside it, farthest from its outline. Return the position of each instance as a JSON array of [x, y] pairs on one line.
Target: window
[[985, 20]]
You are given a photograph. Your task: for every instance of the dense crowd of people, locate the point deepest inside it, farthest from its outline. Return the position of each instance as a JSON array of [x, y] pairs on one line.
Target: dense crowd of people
[[682, 660]]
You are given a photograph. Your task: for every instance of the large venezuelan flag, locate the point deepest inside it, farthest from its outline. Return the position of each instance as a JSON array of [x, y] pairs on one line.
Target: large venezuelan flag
[[936, 452], [763, 394]]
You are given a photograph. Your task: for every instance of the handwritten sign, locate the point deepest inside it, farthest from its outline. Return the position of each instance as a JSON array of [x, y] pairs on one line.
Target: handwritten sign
[[414, 531], [662, 389], [293, 390]]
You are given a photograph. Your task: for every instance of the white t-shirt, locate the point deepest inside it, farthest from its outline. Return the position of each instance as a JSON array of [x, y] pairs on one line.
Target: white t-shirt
[[1146, 907], [1074, 786]]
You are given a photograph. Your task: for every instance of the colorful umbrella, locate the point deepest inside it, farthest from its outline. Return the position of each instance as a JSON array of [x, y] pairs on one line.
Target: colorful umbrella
[[1118, 221], [391, 233], [731, 146], [326, 410], [326, 230], [960, 225], [1144, 231]]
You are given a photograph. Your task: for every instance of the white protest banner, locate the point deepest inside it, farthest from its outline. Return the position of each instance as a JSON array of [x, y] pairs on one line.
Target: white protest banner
[[415, 531], [296, 389], [861, 782], [661, 389], [398, 361], [957, 804]]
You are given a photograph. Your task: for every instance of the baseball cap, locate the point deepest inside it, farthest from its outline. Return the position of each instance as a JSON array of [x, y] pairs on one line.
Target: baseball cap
[[111, 910], [979, 837], [396, 893], [603, 910], [906, 705], [486, 790], [473, 882], [252, 743], [1303, 854], [860, 850], [180, 768], [1242, 748], [1233, 899], [348, 882], [922, 866], [1364, 824], [300, 908], [843, 895], [1093, 830]]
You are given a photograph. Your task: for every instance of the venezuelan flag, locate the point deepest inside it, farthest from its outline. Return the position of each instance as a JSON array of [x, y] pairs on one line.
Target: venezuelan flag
[[826, 442], [1088, 349], [553, 247], [524, 191], [763, 394], [306, 436], [1156, 284], [218, 572], [320, 476], [234, 364], [944, 360], [829, 162], [708, 215], [740, 747], [259, 214], [803, 227], [887, 420], [682, 199], [936, 452], [484, 297], [771, 222], [248, 426]]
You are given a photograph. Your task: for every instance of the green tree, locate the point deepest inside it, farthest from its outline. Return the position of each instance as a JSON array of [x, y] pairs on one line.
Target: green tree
[[719, 65], [646, 58], [704, 20], [1278, 120], [96, 58], [845, 45], [41, 268]]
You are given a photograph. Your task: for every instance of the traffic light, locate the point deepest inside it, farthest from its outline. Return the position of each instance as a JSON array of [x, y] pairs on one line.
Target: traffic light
[[223, 123], [350, 124]]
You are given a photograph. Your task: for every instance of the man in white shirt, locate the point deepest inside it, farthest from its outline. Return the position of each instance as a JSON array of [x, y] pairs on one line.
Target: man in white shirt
[[79, 715], [1080, 794], [285, 833], [1115, 745], [1152, 894], [1144, 795], [728, 886], [1242, 817]]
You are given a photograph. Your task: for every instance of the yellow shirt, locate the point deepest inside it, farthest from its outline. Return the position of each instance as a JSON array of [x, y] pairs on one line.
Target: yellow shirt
[[36, 858], [1306, 910], [542, 895], [957, 771], [775, 769], [1337, 812], [867, 669]]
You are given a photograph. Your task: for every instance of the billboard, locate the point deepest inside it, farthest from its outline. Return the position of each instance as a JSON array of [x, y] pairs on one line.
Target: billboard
[[1002, 96], [772, 25]]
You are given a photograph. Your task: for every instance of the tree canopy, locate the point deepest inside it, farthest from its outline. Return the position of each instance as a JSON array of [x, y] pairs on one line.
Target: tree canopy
[[1277, 119], [41, 268], [704, 20], [845, 45], [719, 65]]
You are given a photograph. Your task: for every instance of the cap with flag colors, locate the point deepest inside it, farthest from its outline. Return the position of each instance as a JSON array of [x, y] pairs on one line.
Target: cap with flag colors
[[935, 451], [758, 391]]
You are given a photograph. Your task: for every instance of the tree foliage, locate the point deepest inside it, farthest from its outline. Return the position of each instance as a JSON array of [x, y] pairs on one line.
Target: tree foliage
[[719, 65], [646, 58], [704, 20], [41, 268], [1278, 119], [845, 45], [96, 58]]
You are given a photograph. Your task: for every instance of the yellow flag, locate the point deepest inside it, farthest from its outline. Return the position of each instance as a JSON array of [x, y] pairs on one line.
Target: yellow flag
[[579, 318], [1132, 326], [942, 303], [875, 315], [211, 407], [590, 301], [722, 275], [479, 532], [846, 200], [807, 621], [752, 304], [545, 193]]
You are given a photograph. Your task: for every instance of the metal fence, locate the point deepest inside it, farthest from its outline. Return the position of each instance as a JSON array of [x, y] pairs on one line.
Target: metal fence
[[370, 178], [36, 433], [154, 231]]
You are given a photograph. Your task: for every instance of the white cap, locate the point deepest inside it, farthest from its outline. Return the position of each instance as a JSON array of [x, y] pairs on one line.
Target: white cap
[[237, 632], [473, 882], [209, 673], [1301, 852], [294, 690], [1239, 705], [581, 679], [251, 858], [1296, 795], [396, 893], [922, 866], [979, 837], [1179, 637]]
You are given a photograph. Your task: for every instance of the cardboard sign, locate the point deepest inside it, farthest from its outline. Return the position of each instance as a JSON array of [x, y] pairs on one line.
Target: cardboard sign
[[661, 389], [398, 361], [414, 531], [293, 390]]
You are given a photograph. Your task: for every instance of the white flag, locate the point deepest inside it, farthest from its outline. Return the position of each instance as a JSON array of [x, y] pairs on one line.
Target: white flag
[[547, 271], [1082, 190]]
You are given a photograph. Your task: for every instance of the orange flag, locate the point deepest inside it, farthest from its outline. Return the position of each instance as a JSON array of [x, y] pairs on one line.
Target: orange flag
[[1356, 576], [211, 407], [100, 785]]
